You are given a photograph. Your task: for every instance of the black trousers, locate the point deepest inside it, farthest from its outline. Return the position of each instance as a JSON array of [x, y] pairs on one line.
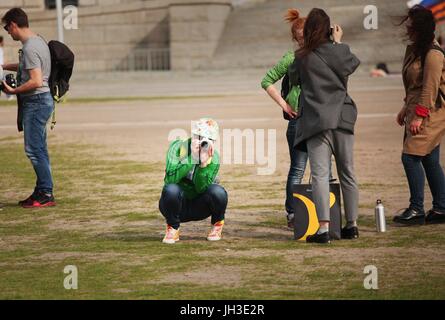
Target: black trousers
[[176, 208]]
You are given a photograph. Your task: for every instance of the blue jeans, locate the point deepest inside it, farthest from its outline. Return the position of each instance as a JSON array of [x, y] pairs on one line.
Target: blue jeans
[[415, 168], [37, 110], [298, 161]]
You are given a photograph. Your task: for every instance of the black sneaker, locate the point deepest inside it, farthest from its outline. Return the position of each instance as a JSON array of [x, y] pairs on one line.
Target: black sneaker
[[319, 238], [28, 200], [41, 200], [410, 217], [349, 233], [435, 216]]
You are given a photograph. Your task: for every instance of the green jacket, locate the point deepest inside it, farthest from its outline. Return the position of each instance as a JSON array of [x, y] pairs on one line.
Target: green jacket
[[278, 72], [180, 169]]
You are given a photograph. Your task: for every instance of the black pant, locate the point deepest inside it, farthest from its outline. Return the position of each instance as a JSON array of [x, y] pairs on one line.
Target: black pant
[[176, 208]]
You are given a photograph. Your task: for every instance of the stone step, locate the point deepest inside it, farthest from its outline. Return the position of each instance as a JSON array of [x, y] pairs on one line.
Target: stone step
[[256, 34]]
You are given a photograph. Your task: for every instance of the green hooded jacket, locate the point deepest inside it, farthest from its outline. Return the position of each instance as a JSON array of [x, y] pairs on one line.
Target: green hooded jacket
[[181, 170]]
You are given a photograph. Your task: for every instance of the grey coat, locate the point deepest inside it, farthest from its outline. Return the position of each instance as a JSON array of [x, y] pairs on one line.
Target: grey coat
[[324, 101]]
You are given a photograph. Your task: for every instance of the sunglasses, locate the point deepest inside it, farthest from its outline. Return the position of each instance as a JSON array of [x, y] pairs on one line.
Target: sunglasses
[[6, 27]]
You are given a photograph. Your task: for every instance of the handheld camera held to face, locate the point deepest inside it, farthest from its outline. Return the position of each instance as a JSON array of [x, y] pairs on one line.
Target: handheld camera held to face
[[206, 132], [205, 144], [205, 147]]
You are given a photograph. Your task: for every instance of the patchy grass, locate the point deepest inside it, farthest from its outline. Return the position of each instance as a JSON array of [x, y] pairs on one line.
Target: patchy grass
[[108, 225]]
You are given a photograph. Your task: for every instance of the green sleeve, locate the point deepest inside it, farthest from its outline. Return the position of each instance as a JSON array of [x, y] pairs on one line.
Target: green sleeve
[[278, 71], [177, 166], [204, 177], [293, 97]]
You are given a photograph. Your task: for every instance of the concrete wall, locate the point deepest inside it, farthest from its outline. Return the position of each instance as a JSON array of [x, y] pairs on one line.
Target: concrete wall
[[30, 5], [83, 3], [106, 34], [200, 34], [10, 49], [110, 30], [39, 5], [256, 35], [195, 31]]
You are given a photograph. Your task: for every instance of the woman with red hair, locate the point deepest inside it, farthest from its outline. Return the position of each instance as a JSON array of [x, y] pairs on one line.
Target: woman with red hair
[[289, 104]]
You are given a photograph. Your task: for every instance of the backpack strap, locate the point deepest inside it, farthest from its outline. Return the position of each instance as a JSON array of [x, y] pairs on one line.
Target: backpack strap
[[53, 118]]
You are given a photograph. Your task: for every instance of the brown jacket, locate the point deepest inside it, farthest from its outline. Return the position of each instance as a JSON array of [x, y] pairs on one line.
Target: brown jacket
[[422, 87]]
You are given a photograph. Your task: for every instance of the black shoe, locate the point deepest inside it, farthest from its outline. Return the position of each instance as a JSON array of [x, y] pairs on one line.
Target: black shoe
[[349, 233], [290, 220], [319, 238], [28, 200], [435, 216], [40, 200], [410, 217]]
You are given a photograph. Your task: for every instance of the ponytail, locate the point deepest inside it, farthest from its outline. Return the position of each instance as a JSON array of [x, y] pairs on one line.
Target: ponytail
[[297, 24], [292, 15]]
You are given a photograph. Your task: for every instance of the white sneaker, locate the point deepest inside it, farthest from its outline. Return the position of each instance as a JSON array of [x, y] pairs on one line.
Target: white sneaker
[[216, 233], [171, 235]]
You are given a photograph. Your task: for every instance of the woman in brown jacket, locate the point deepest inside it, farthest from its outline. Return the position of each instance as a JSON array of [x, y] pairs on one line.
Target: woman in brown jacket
[[423, 116]]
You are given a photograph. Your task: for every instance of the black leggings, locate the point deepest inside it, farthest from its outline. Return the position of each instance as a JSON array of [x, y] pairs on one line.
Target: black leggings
[[176, 208]]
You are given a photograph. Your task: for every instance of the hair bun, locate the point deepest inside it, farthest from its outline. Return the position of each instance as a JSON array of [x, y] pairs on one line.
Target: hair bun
[[292, 15]]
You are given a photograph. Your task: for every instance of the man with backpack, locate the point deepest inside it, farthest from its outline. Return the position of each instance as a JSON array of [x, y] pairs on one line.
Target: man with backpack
[[36, 103]]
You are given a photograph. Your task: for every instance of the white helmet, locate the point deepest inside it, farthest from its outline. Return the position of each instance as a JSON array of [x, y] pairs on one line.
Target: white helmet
[[206, 127]]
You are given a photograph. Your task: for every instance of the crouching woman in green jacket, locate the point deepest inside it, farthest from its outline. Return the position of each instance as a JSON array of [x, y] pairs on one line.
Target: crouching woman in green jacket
[[190, 192]]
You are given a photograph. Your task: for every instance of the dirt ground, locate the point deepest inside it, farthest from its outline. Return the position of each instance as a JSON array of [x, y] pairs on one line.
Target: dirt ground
[[138, 130]]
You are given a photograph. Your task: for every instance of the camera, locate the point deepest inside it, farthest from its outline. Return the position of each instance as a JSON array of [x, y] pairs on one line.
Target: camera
[[205, 143], [10, 81]]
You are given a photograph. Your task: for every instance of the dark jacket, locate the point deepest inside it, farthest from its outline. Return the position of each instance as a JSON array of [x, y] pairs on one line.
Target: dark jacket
[[324, 101]]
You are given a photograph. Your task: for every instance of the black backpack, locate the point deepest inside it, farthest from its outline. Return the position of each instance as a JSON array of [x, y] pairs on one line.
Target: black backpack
[[285, 89], [62, 63]]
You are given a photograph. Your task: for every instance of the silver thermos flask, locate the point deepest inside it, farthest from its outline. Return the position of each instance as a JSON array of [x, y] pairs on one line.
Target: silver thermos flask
[[380, 217]]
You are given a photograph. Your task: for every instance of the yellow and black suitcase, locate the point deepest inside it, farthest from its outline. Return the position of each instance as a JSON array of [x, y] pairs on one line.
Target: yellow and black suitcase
[[306, 221]]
